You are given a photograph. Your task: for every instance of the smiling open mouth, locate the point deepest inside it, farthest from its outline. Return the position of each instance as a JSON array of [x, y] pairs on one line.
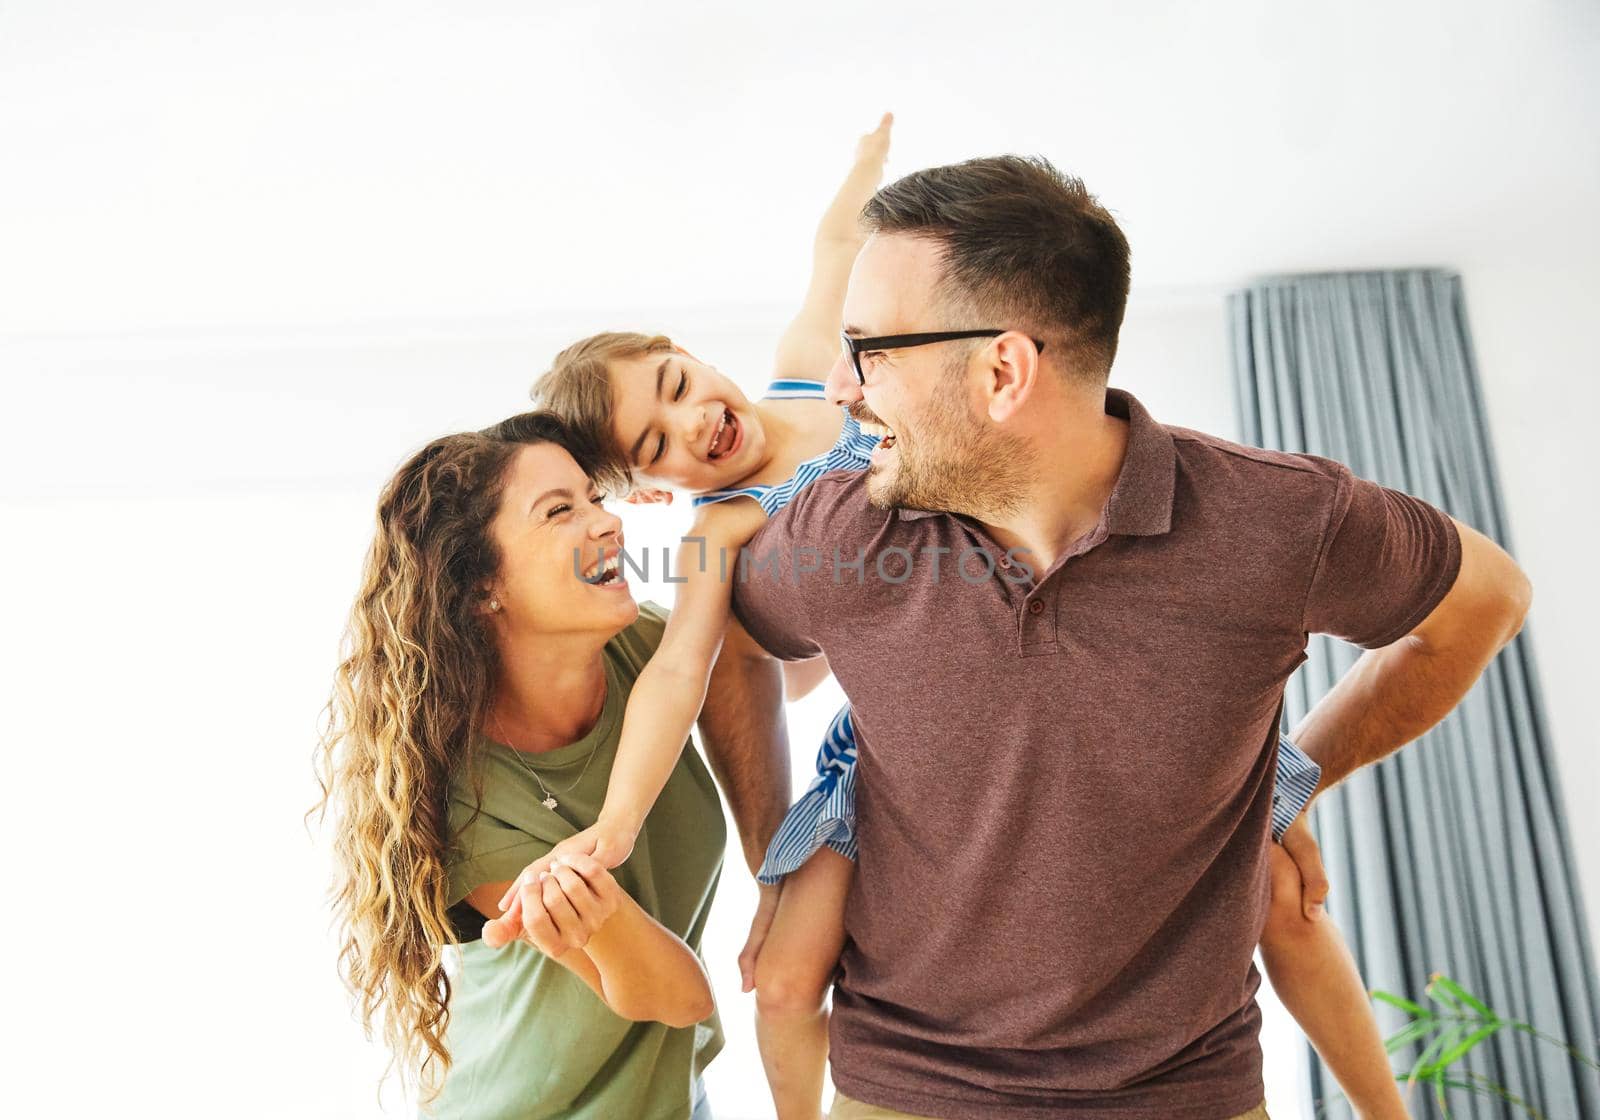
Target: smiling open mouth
[[883, 432], [601, 573], [726, 436]]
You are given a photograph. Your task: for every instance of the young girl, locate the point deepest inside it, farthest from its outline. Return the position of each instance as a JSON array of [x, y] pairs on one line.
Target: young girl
[[671, 420]]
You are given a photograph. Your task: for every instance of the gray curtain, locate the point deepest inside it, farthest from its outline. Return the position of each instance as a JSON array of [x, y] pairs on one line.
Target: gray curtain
[[1453, 855]]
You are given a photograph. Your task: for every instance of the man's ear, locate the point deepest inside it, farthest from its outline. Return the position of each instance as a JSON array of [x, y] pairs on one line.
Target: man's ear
[[1014, 375], [644, 496]]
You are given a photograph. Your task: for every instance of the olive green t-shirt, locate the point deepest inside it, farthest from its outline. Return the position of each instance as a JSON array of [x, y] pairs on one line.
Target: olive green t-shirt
[[528, 1039]]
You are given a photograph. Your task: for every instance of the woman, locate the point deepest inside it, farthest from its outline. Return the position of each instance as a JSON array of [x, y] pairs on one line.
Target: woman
[[490, 654]]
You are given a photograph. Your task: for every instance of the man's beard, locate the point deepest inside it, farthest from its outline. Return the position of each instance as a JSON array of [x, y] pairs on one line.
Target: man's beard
[[956, 464]]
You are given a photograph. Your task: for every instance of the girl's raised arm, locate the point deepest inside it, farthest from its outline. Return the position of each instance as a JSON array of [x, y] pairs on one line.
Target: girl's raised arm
[[810, 345], [669, 692]]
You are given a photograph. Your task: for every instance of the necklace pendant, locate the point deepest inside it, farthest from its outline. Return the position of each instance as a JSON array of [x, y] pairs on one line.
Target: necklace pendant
[[549, 803]]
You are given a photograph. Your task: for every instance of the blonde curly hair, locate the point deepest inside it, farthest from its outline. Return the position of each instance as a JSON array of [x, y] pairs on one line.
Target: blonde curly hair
[[416, 677]]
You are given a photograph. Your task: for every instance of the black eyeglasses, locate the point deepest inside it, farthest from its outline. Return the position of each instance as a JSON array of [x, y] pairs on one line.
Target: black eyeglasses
[[856, 346]]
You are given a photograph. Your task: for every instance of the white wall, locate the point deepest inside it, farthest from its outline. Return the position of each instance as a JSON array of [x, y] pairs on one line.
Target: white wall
[[184, 162], [250, 254]]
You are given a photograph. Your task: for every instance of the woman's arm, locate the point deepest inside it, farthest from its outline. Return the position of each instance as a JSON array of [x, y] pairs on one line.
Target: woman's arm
[[581, 918], [810, 345]]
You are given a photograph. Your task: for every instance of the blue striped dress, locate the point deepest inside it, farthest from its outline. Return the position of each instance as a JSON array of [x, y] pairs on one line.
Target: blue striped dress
[[826, 811]]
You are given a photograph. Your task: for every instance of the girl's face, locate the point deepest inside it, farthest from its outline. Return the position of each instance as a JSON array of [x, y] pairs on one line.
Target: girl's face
[[681, 423], [552, 531]]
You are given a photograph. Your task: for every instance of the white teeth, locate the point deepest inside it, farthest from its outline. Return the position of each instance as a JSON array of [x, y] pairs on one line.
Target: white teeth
[[880, 431], [716, 435], [597, 570]]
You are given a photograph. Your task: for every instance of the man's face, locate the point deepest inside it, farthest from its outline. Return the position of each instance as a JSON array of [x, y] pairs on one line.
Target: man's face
[[943, 452]]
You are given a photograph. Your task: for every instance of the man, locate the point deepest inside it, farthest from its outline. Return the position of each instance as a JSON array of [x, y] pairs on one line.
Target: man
[[1065, 630]]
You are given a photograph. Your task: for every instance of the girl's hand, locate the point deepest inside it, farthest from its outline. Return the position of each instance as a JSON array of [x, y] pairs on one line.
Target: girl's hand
[[606, 842], [766, 910], [873, 148], [839, 233], [564, 907], [1302, 848]]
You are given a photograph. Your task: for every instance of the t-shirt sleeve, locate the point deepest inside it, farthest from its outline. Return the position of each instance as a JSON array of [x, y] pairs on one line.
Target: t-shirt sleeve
[[488, 851], [639, 642], [771, 594], [1386, 560]]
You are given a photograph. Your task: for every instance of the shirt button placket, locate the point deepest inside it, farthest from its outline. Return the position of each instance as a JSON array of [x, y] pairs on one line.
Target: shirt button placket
[[1038, 624]]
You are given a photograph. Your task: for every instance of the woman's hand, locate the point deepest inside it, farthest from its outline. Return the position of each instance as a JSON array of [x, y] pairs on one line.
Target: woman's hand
[[560, 909], [605, 842], [766, 910]]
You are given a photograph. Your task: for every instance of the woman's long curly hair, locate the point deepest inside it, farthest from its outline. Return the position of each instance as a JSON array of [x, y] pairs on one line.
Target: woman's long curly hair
[[415, 679]]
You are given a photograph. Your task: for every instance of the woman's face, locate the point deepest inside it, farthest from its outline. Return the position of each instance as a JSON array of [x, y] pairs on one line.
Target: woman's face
[[682, 423], [552, 533]]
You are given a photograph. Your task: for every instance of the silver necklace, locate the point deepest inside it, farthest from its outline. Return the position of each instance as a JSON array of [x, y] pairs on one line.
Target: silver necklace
[[549, 801]]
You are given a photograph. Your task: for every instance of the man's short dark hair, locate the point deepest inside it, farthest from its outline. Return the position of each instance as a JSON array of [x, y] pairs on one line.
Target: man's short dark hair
[[1025, 246]]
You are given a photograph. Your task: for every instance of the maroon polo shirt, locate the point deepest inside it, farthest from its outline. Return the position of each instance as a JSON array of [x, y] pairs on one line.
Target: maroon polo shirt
[[1065, 782]]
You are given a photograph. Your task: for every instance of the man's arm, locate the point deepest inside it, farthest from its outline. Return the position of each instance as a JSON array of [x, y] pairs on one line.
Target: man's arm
[[746, 739], [800, 678], [1395, 693]]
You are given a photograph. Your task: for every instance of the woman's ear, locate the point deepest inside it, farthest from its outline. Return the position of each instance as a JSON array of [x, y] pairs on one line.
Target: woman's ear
[[644, 496]]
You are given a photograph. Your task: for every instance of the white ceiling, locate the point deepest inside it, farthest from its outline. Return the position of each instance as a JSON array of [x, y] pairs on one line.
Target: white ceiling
[[227, 163]]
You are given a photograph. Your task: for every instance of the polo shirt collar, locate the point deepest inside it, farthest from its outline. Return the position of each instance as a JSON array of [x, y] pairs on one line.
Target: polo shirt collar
[[1141, 501]]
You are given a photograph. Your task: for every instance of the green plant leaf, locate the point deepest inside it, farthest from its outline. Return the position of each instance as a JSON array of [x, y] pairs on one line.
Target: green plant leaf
[[1478, 1083], [1461, 995], [1403, 1004], [1409, 1034], [1441, 994], [1438, 1091], [1424, 1066], [1467, 1043], [1481, 1086], [1573, 1051]]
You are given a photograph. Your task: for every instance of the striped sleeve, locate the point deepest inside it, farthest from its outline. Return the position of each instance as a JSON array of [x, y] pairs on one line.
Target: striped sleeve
[[1297, 779]]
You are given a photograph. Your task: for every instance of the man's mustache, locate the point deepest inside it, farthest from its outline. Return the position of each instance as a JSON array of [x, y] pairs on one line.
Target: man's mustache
[[861, 414]]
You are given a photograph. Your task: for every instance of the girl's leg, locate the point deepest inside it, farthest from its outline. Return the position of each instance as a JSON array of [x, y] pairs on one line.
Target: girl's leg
[[1315, 976], [793, 974]]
